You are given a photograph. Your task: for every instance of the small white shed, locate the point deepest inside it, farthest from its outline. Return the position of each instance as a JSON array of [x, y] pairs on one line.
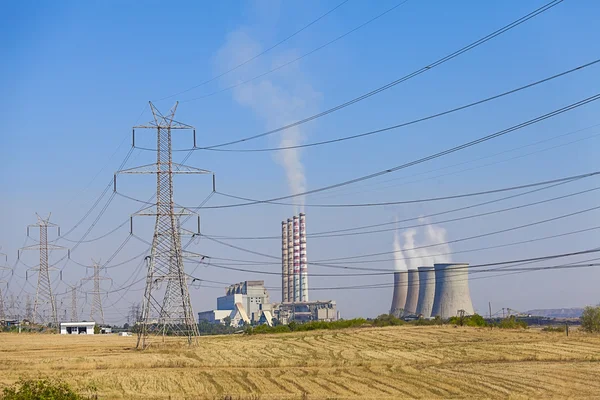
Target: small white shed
[[77, 328]]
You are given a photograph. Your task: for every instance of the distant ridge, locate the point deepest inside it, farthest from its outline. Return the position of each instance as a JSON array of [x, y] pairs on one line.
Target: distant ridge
[[557, 312]]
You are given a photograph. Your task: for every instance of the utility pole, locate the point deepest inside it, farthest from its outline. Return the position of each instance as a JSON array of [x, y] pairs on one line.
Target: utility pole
[[44, 304], [97, 300], [173, 313], [490, 306]]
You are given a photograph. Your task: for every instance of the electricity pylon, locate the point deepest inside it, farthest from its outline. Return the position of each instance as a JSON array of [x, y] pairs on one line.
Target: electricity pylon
[[74, 304], [173, 313], [44, 305], [2, 282], [97, 300]]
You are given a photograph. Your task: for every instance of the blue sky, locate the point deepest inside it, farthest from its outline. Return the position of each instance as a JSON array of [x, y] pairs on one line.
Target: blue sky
[[76, 76]]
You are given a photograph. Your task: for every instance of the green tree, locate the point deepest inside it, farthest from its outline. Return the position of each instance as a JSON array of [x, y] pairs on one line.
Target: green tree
[[227, 320], [590, 319], [96, 330]]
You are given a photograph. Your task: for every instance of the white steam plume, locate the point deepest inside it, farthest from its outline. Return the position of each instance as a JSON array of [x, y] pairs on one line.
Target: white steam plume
[[399, 262], [277, 99], [431, 234]]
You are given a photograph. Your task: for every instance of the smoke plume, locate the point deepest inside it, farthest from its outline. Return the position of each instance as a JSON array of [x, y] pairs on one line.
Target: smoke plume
[[278, 99], [417, 256]]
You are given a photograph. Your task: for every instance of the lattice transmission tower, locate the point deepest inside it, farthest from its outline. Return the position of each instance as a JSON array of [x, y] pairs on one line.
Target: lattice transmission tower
[[44, 306], [172, 314], [96, 311], [3, 267], [74, 316]]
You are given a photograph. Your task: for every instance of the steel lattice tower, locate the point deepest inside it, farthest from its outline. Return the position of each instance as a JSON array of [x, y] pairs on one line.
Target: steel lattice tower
[[44, 302], [2, 282], [171, 315], [97, 300], [74, 303]]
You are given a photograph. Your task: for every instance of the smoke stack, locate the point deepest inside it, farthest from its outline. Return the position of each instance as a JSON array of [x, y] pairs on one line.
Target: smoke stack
[[296, 259], [426, 291], [412, 293], [284, 263], [303, 260], [451, 290], [399, 298], [290, 253]]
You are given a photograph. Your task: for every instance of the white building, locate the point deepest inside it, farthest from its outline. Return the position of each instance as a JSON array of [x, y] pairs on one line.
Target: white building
[[77, 328], [243, 302]]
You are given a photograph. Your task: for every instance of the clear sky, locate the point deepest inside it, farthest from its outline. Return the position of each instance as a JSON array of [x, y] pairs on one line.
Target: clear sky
[[76, 76]]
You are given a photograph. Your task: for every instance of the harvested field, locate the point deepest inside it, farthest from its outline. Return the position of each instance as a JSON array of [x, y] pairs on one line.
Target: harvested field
[[369, 363]]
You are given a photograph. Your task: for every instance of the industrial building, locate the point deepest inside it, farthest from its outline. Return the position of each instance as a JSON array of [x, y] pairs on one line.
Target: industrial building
[[306, 311], [294, 262], [441, 290], [77, 328], [243, 303]]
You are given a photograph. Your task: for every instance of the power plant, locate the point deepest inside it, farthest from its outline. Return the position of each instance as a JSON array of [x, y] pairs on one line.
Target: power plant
[[400, 291], [451, 290], [441, 290], [294, 264], [426, 291], [412, 293]]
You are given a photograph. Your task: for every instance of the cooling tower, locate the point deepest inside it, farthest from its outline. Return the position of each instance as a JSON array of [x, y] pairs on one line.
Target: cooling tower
[[290, 252], [412, 293], [284, 263], [426, 291], [399, 298], [303, 260], [296, 259], [451, 290]]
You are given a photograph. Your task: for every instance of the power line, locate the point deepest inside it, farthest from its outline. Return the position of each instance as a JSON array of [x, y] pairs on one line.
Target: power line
[[403, 79], [424, 159], [413, 122], [255, 56], [463, 239], [317, 236], [381, 273], [321, 47]]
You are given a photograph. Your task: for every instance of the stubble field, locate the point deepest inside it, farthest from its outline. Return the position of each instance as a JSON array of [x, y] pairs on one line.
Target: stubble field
[[375, 363]]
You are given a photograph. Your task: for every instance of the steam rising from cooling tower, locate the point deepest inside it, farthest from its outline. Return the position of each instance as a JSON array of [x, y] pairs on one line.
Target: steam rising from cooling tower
[[441, 290], [294, 263]]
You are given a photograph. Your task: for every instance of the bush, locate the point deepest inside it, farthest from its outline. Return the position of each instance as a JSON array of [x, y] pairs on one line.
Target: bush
[[42, 389], [511, 323], [307, 326], [554, 329], [387, 320], [471, 320], [590, 319]]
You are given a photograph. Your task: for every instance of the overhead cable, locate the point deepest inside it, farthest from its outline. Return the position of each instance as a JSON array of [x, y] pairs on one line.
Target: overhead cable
[[428, 67]]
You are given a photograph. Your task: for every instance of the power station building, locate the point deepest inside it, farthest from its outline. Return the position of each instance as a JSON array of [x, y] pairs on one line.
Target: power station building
[[244, 303], [441, 290]]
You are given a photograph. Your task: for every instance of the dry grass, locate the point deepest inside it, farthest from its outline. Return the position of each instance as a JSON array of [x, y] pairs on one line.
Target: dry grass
[[377, 363]]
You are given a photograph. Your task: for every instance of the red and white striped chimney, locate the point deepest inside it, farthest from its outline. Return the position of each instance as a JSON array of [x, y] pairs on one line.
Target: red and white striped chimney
[[303, 260], [290, 254], [297, 293], [284, 263]]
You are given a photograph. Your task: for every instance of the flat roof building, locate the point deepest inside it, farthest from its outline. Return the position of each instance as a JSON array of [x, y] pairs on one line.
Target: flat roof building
[[77, 328]]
